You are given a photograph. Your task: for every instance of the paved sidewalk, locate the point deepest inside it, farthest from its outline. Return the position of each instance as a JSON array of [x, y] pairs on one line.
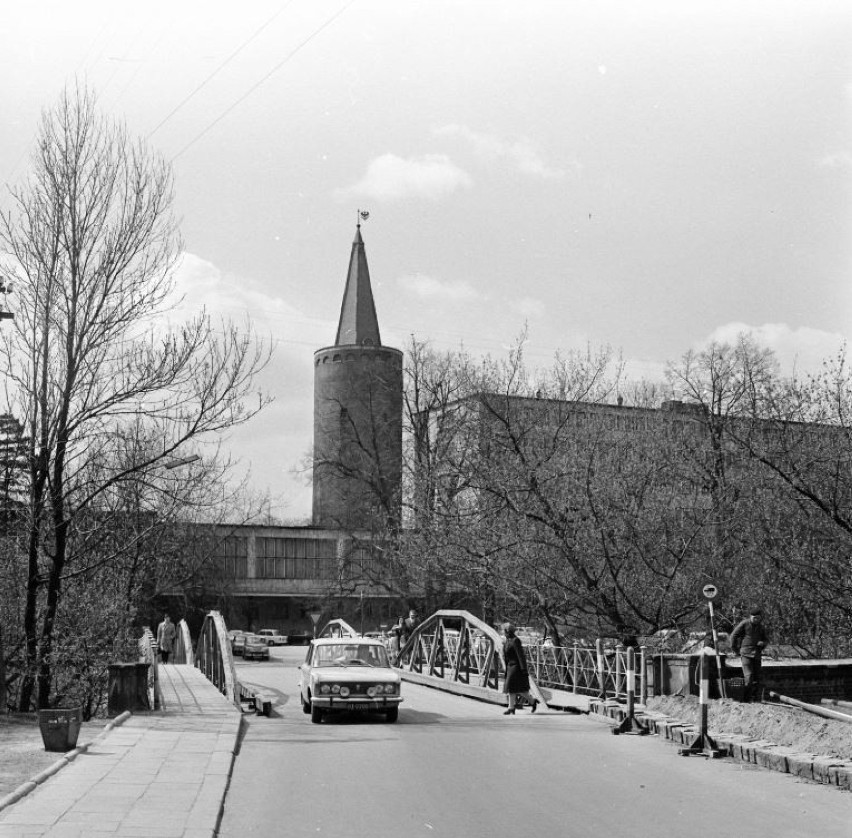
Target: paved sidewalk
[[156, 775]]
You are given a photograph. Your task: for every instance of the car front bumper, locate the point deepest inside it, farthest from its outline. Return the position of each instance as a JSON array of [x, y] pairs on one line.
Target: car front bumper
[[357, 704]]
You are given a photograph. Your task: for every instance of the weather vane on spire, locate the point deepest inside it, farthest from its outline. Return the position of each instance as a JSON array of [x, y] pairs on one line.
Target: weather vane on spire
[[363, 215]]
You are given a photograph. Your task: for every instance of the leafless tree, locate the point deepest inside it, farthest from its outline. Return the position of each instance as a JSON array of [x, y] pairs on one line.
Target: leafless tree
[[92, 243]]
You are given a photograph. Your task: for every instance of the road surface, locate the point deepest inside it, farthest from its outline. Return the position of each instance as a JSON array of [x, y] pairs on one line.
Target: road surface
[[455, 767]]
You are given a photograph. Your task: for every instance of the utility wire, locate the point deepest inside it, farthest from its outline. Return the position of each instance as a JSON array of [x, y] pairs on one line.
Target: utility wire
[[254, 87], [215, 72]]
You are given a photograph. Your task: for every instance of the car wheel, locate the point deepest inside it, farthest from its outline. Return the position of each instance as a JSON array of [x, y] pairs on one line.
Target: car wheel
[[316, 714], [306, 708], [392, 715]]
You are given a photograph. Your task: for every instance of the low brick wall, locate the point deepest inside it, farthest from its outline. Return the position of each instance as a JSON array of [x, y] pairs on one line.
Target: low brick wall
[[805, 680]]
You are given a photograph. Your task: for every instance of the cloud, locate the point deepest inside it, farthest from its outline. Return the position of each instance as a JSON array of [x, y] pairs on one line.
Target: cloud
[[841, 160], [531, 307], [521, 154], [800, 350], [392, 178], [274, 443], [429, 287]]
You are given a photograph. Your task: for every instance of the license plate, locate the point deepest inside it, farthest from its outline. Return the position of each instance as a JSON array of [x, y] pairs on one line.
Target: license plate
[[360, 705]]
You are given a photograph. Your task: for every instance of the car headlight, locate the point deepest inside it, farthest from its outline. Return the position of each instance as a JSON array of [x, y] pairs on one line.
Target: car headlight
[[344, 692], [335, 689], [371, 691], [325, 689]]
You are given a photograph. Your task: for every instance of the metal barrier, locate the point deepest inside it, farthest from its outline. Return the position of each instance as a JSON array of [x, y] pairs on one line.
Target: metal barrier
[[338, 628], [214, 658], [148, 654], [587, 671], [183, 652], [455, 646]]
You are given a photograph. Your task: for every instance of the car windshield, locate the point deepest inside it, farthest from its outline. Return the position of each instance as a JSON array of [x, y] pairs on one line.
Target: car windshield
[[350, 654]]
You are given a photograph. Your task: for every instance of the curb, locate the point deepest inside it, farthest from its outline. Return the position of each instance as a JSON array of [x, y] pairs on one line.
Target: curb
[[34, 782], [221, 810], [820, 768]]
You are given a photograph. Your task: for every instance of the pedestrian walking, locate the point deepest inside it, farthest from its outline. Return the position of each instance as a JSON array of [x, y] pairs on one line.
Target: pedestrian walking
[[517, 683], [166, 634], [748, 640]]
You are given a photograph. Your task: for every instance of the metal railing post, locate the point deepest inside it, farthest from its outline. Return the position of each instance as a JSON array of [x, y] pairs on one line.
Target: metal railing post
[[600, 666], [619, 669], [576, 668]]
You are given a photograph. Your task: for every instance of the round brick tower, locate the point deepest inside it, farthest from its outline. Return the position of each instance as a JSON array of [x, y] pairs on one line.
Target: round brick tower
[[357, 470]]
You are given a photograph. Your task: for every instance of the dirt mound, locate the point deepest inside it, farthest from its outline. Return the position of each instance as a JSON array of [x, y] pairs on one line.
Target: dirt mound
[[777, 723]]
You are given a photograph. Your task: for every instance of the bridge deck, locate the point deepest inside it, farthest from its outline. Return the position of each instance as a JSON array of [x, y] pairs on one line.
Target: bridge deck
[[184, 689]]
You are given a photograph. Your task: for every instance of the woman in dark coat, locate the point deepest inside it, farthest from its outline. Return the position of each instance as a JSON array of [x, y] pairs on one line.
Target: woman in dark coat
[[517, 684]]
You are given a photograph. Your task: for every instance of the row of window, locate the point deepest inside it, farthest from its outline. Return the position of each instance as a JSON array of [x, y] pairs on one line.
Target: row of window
[[296, 548], [278, 568]]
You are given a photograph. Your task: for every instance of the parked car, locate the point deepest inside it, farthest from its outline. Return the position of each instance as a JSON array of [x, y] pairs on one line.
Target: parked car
[[352, 674], [273, 637], [255, 648], [238, 643]]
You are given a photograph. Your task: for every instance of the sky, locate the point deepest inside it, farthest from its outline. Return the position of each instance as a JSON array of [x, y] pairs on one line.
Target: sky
[[644, 175]]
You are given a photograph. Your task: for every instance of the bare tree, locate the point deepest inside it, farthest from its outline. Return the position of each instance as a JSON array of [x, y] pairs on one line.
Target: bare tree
[[92, 242]]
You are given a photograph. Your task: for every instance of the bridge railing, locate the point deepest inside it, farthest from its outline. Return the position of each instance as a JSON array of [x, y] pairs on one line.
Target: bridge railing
[[214, 658], [587, 671], [148, 653], [455, 646], [183, 652], [337, 628]]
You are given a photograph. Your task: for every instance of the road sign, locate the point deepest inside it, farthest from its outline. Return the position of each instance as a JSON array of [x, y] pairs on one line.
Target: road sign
[[710, 591], [315, 615]]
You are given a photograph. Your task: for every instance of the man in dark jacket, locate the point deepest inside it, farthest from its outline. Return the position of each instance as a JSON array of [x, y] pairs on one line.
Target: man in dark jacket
[[748, 640]]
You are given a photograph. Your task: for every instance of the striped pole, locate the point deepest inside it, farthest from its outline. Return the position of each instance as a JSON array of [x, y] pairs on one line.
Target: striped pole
[[703, 744], [630, 724]]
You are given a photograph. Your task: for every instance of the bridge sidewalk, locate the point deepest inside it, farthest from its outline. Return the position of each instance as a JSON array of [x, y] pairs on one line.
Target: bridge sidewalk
[[157, 775]]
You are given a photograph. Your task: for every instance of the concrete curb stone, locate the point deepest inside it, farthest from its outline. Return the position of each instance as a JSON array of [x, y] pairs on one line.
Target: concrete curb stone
[[823, 769]]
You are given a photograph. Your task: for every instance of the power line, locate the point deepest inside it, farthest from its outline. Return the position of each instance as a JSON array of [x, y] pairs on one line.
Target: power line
[[254, 87], [215, 72]]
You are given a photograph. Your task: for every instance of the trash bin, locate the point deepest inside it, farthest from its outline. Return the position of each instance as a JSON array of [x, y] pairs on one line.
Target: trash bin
[[60, 728], [735, 688]]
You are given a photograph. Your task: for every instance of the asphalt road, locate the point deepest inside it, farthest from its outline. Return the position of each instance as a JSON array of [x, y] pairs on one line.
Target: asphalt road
[[456, 767]]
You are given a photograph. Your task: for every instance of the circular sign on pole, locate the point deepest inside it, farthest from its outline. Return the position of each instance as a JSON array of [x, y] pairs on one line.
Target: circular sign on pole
[[709, 591]]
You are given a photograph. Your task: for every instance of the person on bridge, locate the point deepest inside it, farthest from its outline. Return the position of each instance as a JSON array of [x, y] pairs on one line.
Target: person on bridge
[[748, 640], [517, 683], [166, 638], [408, 625]]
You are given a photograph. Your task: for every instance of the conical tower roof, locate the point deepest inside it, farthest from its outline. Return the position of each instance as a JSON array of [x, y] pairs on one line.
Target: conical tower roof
[[358, 321]]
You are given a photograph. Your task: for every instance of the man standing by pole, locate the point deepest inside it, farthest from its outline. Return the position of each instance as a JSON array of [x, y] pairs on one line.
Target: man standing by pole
[[748, 640]]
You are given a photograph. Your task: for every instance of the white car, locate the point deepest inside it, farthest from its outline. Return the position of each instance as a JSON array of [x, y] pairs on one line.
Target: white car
[[349, 674], [272, 637]]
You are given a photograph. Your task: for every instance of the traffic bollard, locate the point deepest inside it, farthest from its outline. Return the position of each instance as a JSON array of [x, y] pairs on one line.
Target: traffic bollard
[[703, 744], [630, 724]]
